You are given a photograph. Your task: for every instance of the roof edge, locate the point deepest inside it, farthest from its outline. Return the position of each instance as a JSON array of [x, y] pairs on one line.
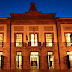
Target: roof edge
[[63, 17]]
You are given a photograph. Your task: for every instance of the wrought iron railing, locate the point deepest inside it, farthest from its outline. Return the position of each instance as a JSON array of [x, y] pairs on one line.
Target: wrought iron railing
[[38, 43], [18, 44], [49, 44], [22, 44], [1, 44], [68, 44]]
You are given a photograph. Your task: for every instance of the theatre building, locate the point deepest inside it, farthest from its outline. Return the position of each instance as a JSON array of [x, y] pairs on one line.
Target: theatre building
[[35, 40]]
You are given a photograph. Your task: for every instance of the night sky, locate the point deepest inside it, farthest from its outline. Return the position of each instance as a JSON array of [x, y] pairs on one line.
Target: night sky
[[63, 8]]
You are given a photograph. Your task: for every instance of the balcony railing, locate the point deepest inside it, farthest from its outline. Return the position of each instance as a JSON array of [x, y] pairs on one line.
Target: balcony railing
[[22, 44], [39, 44], [1, 44], [18, 44], [68, 44], [48, 44]]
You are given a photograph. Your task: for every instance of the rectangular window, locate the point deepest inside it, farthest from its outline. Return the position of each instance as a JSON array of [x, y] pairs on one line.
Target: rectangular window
[[68, 37], [18, 40], [34, 40], [49, 40], [1, 39]]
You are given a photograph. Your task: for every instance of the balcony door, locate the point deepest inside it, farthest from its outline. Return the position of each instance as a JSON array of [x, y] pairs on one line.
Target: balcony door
[[34, 39]]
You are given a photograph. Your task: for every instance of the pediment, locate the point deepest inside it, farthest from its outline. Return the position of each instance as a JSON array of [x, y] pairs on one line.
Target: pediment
[[33, 8]]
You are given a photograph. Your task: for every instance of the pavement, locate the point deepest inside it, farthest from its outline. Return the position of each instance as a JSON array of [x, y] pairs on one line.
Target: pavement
[[23, 70]]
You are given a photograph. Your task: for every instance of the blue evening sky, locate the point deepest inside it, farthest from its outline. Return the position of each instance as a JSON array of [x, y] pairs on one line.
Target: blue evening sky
[[63, 8]]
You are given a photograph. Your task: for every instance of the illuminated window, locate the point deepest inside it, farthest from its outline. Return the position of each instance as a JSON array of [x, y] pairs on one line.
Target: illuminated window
[[50, 53], [18, 40], [48, 40], [68, 39], [1, 59], [50, 60], [34, 41], [18, 53], [18, 60], [1, 39], [69, 53]]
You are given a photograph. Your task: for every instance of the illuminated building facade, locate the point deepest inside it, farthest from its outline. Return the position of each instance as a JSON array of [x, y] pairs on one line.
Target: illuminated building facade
[[35, 40]]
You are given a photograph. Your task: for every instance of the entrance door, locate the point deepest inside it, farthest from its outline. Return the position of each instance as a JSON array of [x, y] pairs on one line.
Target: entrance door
[[34, 60], [19, 61], [50, 60]]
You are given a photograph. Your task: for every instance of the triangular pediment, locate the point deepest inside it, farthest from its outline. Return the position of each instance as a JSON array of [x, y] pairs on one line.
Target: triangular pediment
[[33, 8]]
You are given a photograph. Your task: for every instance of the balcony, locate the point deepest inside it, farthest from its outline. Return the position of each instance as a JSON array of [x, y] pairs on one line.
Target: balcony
[[48, 44], [23, 44], [68, 43], [1, 44], [29, 43], [18, 44]]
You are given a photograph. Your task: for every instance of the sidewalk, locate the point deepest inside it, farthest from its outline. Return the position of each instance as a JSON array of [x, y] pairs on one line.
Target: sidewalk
[[23, 70]]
